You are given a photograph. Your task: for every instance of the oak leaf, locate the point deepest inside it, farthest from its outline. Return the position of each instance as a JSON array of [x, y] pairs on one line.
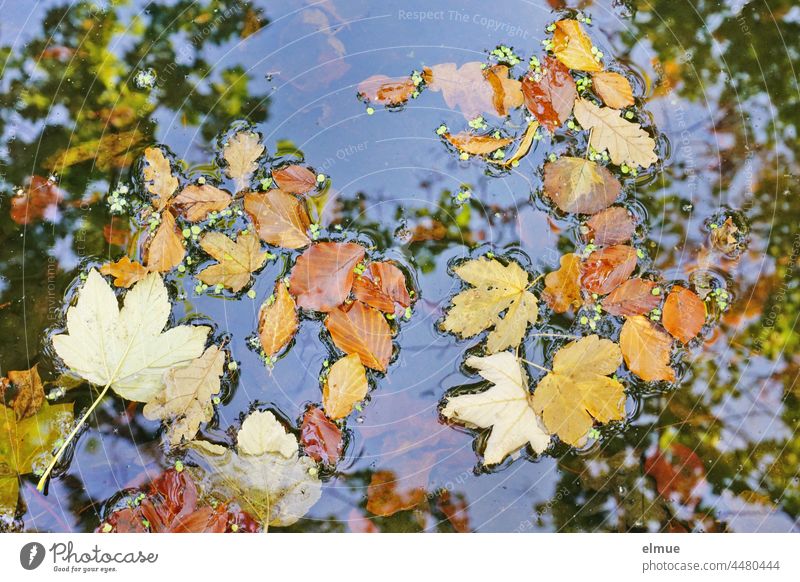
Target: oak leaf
[[578, 185], [550, 95], [579, 390], [614, 89], [126, 349], [125, 272], [280, 218], [277, 321], [323, 275], [505, 407], [236, 260], [646, 349], [294, 179], [626, 142], [562, 289], [606, 269], [684, 314], [573, 47], [186, 395], [359, 329], [345, 385], [241, 153], [499, 298]]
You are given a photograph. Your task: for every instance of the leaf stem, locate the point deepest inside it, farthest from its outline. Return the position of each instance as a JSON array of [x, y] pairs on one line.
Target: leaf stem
[[589, 143], [535, 365], [558, 335], [43, 480]]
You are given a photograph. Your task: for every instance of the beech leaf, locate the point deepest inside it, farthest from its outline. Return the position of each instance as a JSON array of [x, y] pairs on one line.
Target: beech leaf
[[606, 269], [505, 408], [633, 297], [294, 179], [382, 286], [646, 349], [277, 321], [323, 275], [684, 314], [614, 89], [195, 201], [549, 96], [280, 218], [579, 390], [321, 438], [236, 260], [386, 90], [578, 185], [499, 298], [477, 145], [573, 47], [359, 329], [165, 249], [345, 385], [611, 226]]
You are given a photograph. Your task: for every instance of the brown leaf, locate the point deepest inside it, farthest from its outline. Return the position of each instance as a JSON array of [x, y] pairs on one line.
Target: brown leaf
[[614, 89], [573, 47], [164, 250], [241, 152], [359, 329], [684, 314], [280, 218], [323, 275], [125, 272], [562, 289], [345, 385], [115, 234], [468, 88], [197, 200], [39, 200], [277, 320], [386, 90], [477, 145], [606, 269], [578, 185], [646, 349], [385, 498], [24, 392], [725, 238], [112, 150], [321, 438], [158, 176], [551, 97], [507, 92], [633, 297], [677, 473], [236, 260], [382, 286], [611, 226], [295, 179]]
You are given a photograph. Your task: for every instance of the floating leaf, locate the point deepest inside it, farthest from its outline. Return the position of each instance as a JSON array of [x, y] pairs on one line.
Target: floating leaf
[[382, 286], [633, 297], [505, 407], [477, 145], [625, 141], [579, 389], [606, 269], [26, 445], [280, 218], [125, 272], [523, 146], [159, 179], [726, 238], [499, 298], [295, 179], [359, 329], [320, 437], [386, 90], [265, 475], [196, 200], [507, 92], [614, 89], [40, 199], [684, 314], [23, 390], [562, 289], [237, 260], [646, 349], [345, 385], [164, 249], [125, 349], [469, 88], [551, 95], [186, 395], [573, 47], [578, 185], [277, 321], [241, 153], [323, 275], [611, 226]]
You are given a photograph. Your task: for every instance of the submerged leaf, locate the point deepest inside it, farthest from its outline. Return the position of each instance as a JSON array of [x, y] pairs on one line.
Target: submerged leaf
[[505, 407], [573, 47], [625, 141], [580, 186], [125, 272], [23, 390], [280, 218], [646, 349], [507, 92], [386, 90], [237, 260], [499, 298], [323, 275], [126, 349], [39, 200], [359, 329], [474, 89], [684, 314], [579, 389], [345, 385], [562, 289], [277, 321]]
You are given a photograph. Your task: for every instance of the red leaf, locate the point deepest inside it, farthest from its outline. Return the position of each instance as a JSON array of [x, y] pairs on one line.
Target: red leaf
[[677, 473], [321, 437], [385, 496], [611, 226], [684, 314], [606, 269], [361, 330], [323, 275], [550, 99], [633, 297], [38, 200], [382, 286]]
